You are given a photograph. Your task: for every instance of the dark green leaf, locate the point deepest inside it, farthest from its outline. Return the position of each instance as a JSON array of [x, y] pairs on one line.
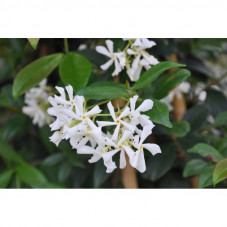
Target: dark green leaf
[[194, 167], [221, 146], [221, 119], [35, 72], [34, 42], [205, 178], [196, 116], [5, 178], [9, 154], [53, 159], [180, 129], [220, 171], [31, 175], [45, 133], [206, 150], [159, 113], [75, 70], [153, 73], [159, 165], [99, 174], [104, 90], [169, 82], [64, 171]]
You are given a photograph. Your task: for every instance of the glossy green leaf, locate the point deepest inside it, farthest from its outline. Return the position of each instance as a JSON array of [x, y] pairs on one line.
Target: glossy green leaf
[[220, 171], [160, 164], [35, 72], [179, 129], [221, 146], [159, 113], [34, 42], [194, 167], [196, 116], [8, 153], [64, 171], [53, 159], [153, 73], [169, 82], [205, 178], [99, 174], [221, 119], [104, 90], [75, 70], [5, 178], [31, 175], [206, 150]]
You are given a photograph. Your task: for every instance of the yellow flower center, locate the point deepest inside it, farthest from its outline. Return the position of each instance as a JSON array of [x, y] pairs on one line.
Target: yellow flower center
[[83, 117], [117, 121], [141, 147], [88, 134], [120, 147], [71, 102]]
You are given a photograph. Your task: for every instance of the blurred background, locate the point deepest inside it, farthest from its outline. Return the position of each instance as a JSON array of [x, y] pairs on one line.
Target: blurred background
[[60, 167]]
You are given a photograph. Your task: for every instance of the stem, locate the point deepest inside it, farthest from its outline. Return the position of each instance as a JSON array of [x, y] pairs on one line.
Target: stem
[[100, 103], [66, 45], [14, 109]]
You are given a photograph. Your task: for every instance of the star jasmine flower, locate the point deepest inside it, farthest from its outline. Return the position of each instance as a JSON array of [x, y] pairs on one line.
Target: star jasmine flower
[[143, 43], [118, 121], [138, 161], [118, 59]]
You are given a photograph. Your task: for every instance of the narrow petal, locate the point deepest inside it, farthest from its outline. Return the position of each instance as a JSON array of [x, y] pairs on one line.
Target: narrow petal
[[105, 123], [111, 109], [128, 126], [146, 105], [95, 158], [93, 111], [131, 52], [135, 63], [69, 90], [108, 155], [153, 148], [61, 91], [116, 132], [79, 101], [86, 150], [109, 142], [122, 159], [141, 165], [129, 151], [144, 120], [107, 64], [149, 58], [133, 102], [117, 67], [145, 133], [124, 113], [109, 45], [56, 138], [103, 50]]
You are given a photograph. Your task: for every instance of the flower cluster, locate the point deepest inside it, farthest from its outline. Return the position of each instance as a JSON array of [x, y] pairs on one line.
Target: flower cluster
[[37, 104], [76, 122], [134, 57]]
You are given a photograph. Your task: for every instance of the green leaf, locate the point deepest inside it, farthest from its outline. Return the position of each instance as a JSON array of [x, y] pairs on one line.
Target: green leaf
[[220, 171], [205, 178], [99, 174], [34, 42], [153, 73], [53, 159], [104, 90], [205, 150], [221, 146], [160, 164], [196, 116], [31, 175], [5, 178], [169, 82], [159, 113], [75, 70], [35, 72], [179, 129], [9, 154], [221, 119], [64, 171], [194, 167]]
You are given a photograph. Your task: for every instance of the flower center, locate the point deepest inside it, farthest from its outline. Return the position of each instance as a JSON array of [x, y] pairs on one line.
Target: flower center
[[71, 102], [140, 52], [112, 56], [141, 147], [83, 117], [120, 147], [117, 121], [88, 135]]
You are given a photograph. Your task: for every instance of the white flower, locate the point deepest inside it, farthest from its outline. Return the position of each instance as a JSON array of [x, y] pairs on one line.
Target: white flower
[[138, 161], [118, 121], [118, 59], [37, 103], [144, 43]]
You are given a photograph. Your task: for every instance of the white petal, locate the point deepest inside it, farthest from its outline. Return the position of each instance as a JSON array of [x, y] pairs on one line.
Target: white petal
[[141, 165], [95, 158], [135, 63], [122, 159], [107, 64], [109, 142], [145, 133], [56, 138], [69, 90], [137, 43], [103, 50], [131, 52], [111, 109], [116, 132], [61, 91], [109, 44], [129, 151], [79, 101], [149, 58], [144, 120], [43, 83], [117, 67], [105, 123], [128, 126], [83, 142], [147, 43], [133, 102], [93, 111], [125, 113], [126, 135], [86, 150], [108, 155], [146, 105], [153, 148]]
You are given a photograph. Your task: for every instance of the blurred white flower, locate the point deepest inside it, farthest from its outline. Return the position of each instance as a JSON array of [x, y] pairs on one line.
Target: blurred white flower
[[37, 103]]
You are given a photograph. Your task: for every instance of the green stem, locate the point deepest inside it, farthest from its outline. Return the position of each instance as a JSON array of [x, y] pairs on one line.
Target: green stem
[[100, 103], [66, 45]]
